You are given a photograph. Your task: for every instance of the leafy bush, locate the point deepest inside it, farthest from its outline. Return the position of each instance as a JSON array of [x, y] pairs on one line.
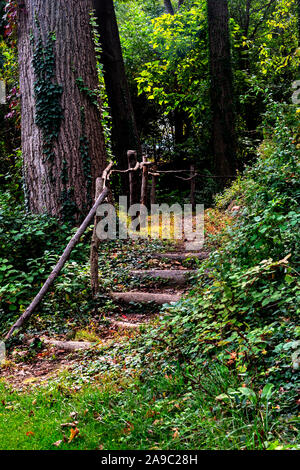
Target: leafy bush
[[30, 246]]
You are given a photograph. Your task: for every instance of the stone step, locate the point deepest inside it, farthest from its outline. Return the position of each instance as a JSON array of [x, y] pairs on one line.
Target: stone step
[[174, 276], [145, 297], [181, 256]]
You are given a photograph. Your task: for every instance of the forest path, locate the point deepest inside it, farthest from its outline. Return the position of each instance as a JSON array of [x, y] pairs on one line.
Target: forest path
[[170, 283], [168, 277]]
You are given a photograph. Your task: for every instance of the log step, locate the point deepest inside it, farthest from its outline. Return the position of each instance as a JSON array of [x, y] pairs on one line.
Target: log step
[[66, 345], [123, 325], [145, 297], [174, 276], [183, 255]]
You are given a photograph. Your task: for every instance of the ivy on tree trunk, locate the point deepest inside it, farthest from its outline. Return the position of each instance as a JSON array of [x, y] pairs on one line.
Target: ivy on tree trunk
[[59, 147]]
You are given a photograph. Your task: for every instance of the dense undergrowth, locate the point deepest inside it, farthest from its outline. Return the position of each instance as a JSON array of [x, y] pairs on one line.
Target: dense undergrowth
[[244, 313], [219, 369]]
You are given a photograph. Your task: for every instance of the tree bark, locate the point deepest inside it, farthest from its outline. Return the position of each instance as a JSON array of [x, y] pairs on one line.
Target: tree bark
[[169, 7], [221, 88], [62, 138], [124, 130]]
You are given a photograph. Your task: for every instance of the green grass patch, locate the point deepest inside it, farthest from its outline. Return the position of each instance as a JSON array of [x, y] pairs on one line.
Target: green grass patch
[[165, 412]]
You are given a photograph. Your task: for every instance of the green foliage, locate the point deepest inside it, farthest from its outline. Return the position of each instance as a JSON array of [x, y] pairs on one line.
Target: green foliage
[[178, 77], [243, 313], [29, 248], [168, 59], [9, 118], [136, 30]]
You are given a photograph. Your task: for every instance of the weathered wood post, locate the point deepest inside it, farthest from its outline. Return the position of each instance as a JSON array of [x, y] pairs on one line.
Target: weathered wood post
[[153, 185], [134, 185], [144, 187], [95, 243], [100, 184], [193, 186]]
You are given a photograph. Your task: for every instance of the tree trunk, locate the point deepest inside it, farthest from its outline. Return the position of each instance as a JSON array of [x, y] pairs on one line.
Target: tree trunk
[[169, 7], [124, 130], [62, 138], [223, 117]]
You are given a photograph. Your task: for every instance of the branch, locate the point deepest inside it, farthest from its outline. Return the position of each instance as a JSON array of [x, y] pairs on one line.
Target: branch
[[267, 8]]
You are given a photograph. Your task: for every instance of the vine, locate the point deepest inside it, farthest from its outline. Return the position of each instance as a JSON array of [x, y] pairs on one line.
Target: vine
[[48, 109], [93, 95]]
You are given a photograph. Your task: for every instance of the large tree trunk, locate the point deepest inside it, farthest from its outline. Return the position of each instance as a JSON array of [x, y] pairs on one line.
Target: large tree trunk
[[223, 117], [62, 138], [124, 130]]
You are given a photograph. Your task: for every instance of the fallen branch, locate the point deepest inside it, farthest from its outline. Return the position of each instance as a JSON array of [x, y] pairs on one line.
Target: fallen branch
[[63, 259]]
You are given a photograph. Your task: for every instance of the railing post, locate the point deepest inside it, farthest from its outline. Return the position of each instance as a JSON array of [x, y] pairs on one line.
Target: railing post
[[133, 178], [193, 186], [153, 186], [94, 256], [144, 187]]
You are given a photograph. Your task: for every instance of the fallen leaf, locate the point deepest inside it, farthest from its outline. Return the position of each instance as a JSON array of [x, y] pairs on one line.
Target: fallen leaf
[[73, 434], [30, 433], [57, 443]]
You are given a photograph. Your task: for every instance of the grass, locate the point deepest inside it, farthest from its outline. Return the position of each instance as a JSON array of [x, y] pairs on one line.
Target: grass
[[126, 413]]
